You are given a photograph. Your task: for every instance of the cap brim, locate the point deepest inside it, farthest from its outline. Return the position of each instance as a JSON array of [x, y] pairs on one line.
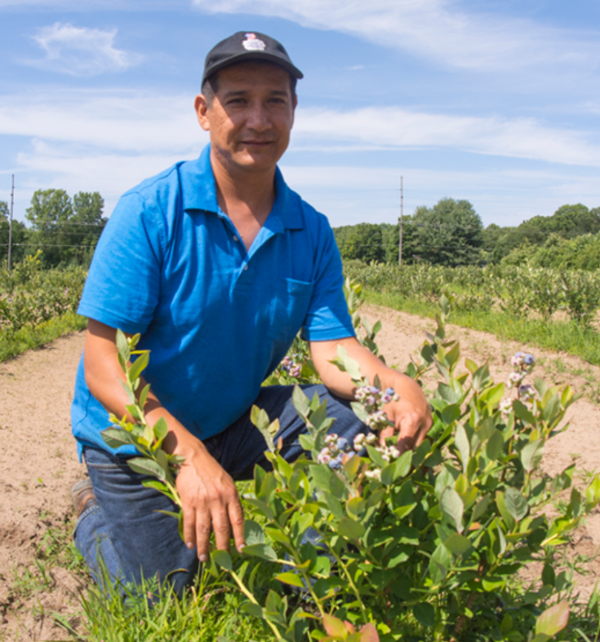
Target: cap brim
[[253, 55]]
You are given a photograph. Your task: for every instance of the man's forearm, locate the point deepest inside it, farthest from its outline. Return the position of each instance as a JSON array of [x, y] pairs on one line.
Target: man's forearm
[[104, 376], [340, 382]]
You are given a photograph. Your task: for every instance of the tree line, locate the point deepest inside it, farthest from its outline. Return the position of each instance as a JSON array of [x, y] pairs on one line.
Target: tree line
[[451, 233], [65, 228]]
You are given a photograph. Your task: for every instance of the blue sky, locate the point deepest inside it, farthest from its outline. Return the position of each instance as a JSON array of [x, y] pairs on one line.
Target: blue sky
[[495, 102]]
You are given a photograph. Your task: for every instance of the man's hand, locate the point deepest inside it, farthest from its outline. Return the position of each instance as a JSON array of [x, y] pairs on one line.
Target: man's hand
[[210, 503], [410, 415]]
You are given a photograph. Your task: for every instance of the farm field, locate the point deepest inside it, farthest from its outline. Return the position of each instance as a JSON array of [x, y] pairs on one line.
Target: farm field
[[40, 576]]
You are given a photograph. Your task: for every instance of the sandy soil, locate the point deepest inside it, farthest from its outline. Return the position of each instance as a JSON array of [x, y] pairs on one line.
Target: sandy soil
[[39, 464]]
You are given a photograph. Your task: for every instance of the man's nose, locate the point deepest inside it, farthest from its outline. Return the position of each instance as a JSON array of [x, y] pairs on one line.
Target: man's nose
[[258, 118]]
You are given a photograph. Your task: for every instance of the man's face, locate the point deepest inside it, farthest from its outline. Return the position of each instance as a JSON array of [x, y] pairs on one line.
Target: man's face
[[251, 116]]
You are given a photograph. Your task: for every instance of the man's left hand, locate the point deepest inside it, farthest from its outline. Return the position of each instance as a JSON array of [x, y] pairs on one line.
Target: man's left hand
[[410, 415]]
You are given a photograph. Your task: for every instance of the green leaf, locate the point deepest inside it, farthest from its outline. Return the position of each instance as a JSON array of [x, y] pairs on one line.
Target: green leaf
[[157, 485], [452, 505], [462, 443], [424, 614], [349, 365], [481, 507], [350, 529], [522, 412], [139, 365], [376, 457], [439, 563], [506, 515], [553, 620], [253, 533], [123, 346], [291, 578], [300, 401], [117, 437], [516, 504], [494, 446], [458, 544], [321, 475], [592, 493], [403, 464], [144, 396], [551, 408], [147, 467], [450, 413], [222, 558], [264, 551], [532, 454], [160, 429]]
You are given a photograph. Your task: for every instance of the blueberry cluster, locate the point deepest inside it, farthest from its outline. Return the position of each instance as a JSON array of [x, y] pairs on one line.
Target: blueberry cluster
[[338, 451], [293, 368], [522, 365], [373, 400]]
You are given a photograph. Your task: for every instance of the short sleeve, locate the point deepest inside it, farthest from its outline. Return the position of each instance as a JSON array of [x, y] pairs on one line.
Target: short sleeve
[[123, 284], [328, 317]]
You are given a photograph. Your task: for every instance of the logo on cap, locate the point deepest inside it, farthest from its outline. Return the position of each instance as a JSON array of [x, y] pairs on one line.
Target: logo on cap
[[252, 43]]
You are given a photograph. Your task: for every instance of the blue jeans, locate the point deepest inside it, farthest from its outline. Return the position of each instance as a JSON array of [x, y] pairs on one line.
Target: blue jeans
[[124, 527]]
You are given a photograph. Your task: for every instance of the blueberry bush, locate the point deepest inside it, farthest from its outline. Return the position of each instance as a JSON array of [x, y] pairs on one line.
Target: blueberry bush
[[362, 542], [30, 295]]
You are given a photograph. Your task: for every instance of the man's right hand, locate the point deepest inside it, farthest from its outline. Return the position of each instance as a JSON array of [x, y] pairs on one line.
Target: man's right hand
[[210, 503]]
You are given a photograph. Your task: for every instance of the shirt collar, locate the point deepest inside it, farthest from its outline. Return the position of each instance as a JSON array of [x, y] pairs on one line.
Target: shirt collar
[[199, 192]]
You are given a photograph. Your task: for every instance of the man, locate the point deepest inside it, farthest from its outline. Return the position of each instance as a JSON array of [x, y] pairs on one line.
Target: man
[[218, 265]]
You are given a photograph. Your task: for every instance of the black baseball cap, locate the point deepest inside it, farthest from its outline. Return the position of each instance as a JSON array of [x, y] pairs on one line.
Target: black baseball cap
[[248, 45]]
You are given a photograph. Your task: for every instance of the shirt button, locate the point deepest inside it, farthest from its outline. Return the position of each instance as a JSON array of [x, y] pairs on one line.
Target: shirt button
[[236, 239], [245, 267]]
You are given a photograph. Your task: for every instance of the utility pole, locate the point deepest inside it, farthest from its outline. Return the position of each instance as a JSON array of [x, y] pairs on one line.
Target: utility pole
[[401, 220], [12, 205]]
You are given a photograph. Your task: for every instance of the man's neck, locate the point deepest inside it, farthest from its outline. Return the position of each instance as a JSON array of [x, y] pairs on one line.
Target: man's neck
[[246, 197]]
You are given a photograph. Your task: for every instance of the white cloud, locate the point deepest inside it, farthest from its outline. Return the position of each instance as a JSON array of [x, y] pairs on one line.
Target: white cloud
[[125, 122], [91, 140], [80, 51], [391, 127], [143, 122], [435, 29]]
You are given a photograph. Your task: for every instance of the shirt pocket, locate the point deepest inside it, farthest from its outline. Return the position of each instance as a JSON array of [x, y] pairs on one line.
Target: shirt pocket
[[289, 308]]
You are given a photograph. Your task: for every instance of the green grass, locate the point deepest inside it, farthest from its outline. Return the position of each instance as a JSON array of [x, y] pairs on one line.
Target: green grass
[[149, 613], [557, 335], [27, 338]]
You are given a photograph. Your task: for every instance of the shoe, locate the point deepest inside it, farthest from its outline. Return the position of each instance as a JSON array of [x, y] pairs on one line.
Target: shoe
[[82, 494]]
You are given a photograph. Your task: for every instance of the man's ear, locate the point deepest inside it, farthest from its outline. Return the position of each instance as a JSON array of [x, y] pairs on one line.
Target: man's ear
[[201, 107]]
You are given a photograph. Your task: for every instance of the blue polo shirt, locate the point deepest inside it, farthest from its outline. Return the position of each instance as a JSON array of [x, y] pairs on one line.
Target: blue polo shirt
[[216, 318]]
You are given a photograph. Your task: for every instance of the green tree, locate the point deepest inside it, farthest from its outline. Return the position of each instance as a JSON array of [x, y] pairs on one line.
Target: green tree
[[50, 209], [86, 225], [568, 222], [364, 242], [449, 233], [66, 230]]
